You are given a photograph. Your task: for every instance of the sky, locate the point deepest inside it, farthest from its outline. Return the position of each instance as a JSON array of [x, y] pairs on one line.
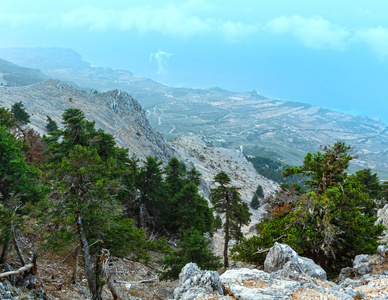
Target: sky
[[332, 54]]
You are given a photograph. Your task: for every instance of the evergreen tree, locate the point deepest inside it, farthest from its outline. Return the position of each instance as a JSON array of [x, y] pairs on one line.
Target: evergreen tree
[[7, 118], [370, 183], [226, 200], [217, 222], [187, 209], [193, 248], [79, 131], [18, 186], [194, 176], [51, 125], [259, 191], [255, 203], [242, 216], [330, 225], [175, 172], [20, 114], [324, 169], [151, 185], [88, 205]]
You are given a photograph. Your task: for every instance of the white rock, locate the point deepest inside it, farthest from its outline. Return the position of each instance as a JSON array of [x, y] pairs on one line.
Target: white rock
[[280, 254], [194, 283]]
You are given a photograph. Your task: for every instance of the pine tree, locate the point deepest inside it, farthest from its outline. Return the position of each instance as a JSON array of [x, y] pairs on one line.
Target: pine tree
[[7, 118], [18, 186], [217, 222], [20, 114], [226, 200], [193, 248], [89, 206], [259, 191], [331, 224], [51, 125], [255, 203], [187, 209], [175, 172]]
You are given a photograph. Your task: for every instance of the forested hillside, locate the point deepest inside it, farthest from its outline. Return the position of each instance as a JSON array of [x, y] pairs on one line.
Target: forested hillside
[[83, 192], [74, 191], [272, 169]]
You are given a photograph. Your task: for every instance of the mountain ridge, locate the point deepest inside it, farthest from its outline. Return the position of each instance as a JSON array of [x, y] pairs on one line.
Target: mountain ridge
[[119, 114]]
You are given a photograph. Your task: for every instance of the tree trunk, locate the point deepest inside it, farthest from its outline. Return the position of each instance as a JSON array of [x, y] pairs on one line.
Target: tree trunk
[[31, 267], [95, 295], [6, 249], [18, 251], [75, 264], [226, 260], [98, 277]]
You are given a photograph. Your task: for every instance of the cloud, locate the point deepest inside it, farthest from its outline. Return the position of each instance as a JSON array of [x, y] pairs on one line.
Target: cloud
[[181, 21], [235, 31], [18, 20], [376, 38], [314, 32], [160, 58], [90, 17]]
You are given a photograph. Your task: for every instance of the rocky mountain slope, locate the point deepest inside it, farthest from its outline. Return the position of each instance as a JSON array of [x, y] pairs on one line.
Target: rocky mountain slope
[[248, 121], [13, 75], [114, 111], [210, 160], [121, 115]]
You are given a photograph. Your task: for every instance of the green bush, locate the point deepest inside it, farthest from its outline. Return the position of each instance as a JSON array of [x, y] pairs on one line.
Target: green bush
[[193, 248]]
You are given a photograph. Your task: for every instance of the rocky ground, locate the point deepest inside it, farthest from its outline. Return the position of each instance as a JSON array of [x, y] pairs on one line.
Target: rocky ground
[[285, 276], [133, 280], [288, 276]]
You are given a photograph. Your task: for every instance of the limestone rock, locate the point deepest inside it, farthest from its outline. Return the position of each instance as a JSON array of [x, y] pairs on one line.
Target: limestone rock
[[362, 264], [194, 283], [382, 218], [281, 254], [253, 284], [382, 251]]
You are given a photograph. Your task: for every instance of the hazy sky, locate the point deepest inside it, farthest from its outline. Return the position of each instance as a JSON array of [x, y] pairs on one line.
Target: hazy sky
[[328, 53]]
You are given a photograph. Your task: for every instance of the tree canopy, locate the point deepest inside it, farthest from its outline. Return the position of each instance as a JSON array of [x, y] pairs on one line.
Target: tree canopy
[[330, 224]]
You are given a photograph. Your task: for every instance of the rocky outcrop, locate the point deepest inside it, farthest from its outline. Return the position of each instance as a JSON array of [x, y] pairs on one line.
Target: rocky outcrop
[[115, 112], [283, 257], [253, 284], [289, 276], [195, 284], [382, 215]]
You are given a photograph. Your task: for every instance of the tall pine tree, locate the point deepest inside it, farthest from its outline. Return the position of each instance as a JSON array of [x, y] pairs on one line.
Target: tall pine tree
[[226, 200]]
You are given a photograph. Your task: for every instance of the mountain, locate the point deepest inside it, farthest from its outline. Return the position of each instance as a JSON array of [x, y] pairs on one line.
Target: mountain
[[115, 112], [13, 75], [255, 124], [119, 114]]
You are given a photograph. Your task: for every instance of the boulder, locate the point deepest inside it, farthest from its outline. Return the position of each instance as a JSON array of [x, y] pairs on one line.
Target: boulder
[[362, 265], [382, 251], [253, 284], [195, 284], [281, 254]]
